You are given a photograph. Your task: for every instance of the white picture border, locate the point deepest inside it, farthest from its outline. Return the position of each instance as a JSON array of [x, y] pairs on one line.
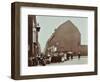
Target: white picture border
[[38, 70]]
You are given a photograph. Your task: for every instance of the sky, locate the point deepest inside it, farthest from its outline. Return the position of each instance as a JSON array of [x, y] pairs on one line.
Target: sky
[[49, 23]]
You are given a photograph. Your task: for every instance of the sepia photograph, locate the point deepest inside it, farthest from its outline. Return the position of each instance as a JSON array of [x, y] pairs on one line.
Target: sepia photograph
[[50, 40], [57, 40]]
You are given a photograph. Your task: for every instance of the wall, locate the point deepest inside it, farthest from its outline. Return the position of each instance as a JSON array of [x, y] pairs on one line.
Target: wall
[[5, 40]]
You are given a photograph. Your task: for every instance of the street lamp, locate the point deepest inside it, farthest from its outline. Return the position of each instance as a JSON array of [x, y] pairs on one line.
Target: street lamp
[[37, 27]]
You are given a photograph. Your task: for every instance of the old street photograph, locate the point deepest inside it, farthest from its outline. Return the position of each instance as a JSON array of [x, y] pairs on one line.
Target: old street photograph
[[57, 40]]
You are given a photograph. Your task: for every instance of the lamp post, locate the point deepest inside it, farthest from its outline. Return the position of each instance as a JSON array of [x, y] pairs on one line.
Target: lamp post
[[36, 29]]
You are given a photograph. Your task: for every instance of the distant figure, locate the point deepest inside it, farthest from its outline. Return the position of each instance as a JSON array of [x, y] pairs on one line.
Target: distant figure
[[69, 54], [35, 61], [42, 62], [65, 58], [54, 58], [79, 54], [48, 59], [61, 57]]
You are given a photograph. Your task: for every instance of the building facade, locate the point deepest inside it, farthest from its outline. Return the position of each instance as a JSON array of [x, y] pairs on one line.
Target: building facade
[[66, 38]]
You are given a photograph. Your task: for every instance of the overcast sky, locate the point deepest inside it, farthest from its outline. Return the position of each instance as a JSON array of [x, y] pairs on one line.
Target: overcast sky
[[49, 23]]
